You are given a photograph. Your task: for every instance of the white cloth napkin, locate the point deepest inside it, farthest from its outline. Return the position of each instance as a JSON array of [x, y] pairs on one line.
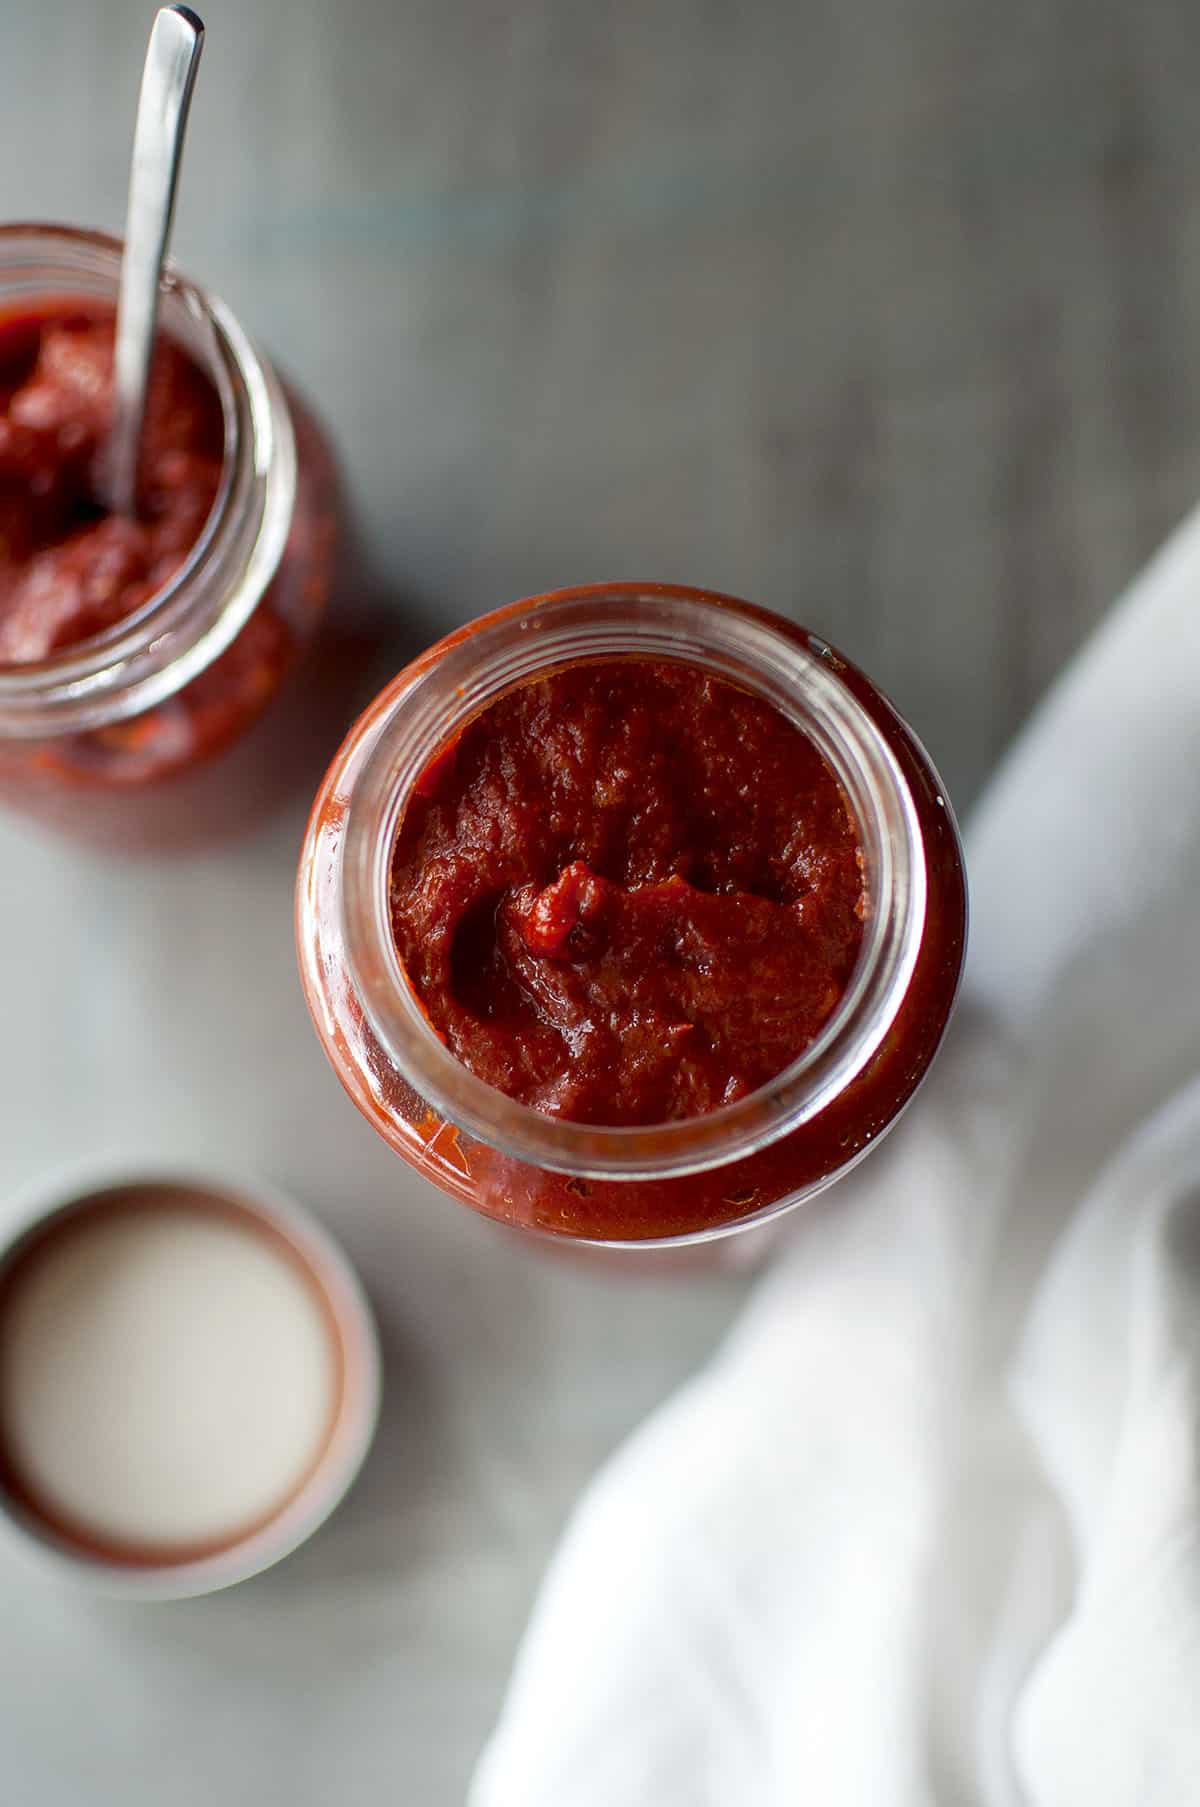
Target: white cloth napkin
[[927, 1530]]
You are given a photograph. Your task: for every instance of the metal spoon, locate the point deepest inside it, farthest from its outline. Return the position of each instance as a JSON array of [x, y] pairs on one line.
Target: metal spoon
[[172, 58]]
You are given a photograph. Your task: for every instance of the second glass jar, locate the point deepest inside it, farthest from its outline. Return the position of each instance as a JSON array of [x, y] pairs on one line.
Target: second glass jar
[[673, 1182], [139, 737]]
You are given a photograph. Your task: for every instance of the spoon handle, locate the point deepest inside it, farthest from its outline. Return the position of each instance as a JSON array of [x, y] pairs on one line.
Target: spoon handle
[[172, 58]]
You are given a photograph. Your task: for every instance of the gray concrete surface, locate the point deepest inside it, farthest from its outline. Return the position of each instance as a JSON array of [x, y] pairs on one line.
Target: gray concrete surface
[[885, 315]]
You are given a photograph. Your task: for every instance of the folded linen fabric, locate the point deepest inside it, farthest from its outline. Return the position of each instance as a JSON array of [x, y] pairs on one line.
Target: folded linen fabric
[[927, 1529]]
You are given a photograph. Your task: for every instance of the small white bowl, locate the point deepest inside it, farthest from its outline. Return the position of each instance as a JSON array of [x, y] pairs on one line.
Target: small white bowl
[[280, 1219]]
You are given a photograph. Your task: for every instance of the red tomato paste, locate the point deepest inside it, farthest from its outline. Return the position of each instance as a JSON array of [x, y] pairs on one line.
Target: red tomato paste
[[629, 892], [69, 570]]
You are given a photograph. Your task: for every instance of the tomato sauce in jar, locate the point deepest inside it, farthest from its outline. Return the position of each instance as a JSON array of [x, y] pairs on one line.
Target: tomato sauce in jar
[[68, 569], [631, 914], [149, 693], [629, 892]]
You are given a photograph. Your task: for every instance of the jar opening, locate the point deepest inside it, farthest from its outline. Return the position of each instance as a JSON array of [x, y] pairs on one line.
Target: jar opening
[[430, 705], [161, 646]]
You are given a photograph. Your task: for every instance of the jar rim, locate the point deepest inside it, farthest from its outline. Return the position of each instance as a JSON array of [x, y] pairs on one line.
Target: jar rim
[[151, 654], [431, 701]]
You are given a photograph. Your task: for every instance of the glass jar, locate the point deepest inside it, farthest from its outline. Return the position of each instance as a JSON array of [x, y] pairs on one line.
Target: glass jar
[[139, 737], [671, 1182]]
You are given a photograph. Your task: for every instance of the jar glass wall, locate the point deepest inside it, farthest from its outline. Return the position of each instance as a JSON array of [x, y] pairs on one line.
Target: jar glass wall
[[181, 723], [683, 1180]]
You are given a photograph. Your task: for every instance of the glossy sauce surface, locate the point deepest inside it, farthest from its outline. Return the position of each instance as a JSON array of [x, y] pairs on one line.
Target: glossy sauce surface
[[628, 893], [68, 569], [188, 771]]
